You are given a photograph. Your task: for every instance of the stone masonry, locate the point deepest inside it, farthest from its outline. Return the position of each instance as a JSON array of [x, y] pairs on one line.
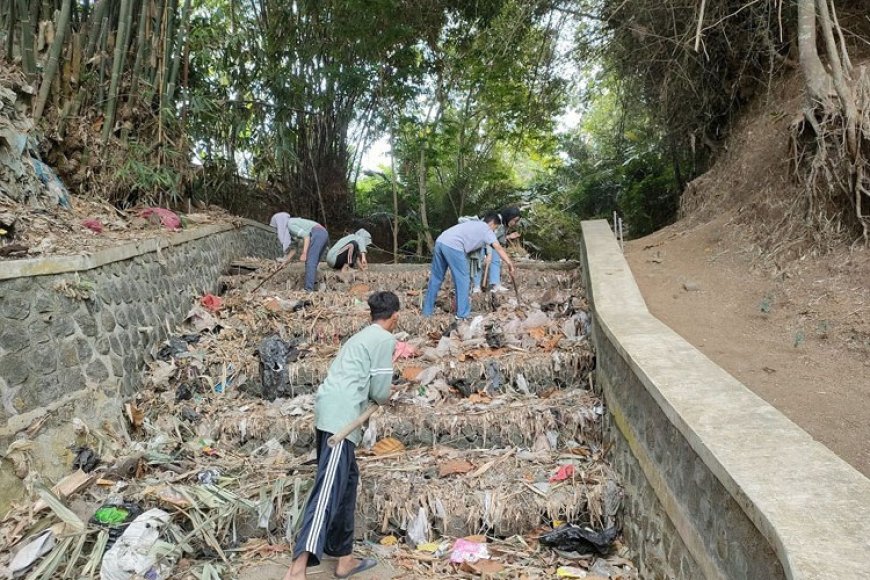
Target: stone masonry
[[66, 357]]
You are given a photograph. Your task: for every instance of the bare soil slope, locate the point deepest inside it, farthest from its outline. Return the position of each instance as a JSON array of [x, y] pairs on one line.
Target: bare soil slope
[[787, 314]]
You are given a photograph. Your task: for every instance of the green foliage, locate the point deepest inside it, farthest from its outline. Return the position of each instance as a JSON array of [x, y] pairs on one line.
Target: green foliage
[[138, 177]]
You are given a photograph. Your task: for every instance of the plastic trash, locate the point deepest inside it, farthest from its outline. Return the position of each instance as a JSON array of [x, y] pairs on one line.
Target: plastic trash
[[565, 472], [468, 551], [94, 225], [570, 572], [85, 459], [208, 476], [27, 556], [52, 182], [274, 376], [115, 515], [583, 540], [212, 302], [135, 554], [169, 219], [418, 531]]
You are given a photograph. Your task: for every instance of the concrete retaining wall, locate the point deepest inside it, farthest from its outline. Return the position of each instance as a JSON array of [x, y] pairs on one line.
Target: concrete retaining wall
[[719, 484], [64, 357]]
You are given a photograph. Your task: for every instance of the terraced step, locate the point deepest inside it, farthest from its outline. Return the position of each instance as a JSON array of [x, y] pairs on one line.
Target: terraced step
[[403, 278], [499, 492], [571, 415], [534, 371]]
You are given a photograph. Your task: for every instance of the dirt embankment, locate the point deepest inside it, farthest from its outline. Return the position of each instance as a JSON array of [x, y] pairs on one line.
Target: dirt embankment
[[786, 314]]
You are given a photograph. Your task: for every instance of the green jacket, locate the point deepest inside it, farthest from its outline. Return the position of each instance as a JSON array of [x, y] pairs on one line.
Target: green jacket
[[362, 372]]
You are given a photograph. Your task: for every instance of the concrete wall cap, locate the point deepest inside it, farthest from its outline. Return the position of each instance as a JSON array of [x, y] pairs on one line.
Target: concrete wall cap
[[812, 506], [49, 265]]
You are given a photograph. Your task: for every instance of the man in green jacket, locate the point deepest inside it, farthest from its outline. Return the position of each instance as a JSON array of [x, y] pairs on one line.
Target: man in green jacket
[[359, 376]]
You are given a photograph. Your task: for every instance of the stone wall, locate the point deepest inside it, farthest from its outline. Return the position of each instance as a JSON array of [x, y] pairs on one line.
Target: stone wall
[[64, 357], [719, 484]]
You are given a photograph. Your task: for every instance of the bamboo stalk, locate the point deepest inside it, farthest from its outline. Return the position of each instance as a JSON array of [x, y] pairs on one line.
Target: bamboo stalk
[[142, 35], [10, 31], [117, 68], [28, 60], [166, 63], [53, 59], [180, 44], [94, 31]]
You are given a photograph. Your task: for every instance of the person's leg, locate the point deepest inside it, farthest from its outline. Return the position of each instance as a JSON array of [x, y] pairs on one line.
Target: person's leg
[[330, 486], [339, 539], [342, 259], [319, 238], [478, 272], [458, 263], [495, 269], [436, 277]]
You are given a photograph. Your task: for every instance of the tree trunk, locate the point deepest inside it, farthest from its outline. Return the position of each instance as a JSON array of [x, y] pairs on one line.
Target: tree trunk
[[395, 187], [53, 59], [817, 79], [421, 182]]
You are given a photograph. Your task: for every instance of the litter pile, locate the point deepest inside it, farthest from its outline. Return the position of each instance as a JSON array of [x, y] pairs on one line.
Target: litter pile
[[492, 440]]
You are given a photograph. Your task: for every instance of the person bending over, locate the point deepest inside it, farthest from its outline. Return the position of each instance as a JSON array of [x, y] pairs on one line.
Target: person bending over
[[360, 375], [314, 239], [451, 251], [350, 251], [509, 217]]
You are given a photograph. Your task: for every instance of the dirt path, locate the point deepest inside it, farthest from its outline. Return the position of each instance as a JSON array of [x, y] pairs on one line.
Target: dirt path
[[801, 341]]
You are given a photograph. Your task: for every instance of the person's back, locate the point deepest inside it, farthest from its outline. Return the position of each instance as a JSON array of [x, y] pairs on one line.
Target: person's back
[[361, 371], [467, 236]]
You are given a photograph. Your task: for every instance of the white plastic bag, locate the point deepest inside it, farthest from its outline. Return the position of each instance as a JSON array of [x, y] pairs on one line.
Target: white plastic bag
[[133, 554]]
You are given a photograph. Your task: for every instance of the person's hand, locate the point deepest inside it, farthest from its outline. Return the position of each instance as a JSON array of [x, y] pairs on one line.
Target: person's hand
[[303, 257], [513, 235], [487, 260], [363, 263], [511, 267]]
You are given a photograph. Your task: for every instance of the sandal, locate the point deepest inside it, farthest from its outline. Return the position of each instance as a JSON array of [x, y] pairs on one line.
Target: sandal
[[364, 564]]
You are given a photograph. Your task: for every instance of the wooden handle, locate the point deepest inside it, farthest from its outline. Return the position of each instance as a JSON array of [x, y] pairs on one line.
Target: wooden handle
[[352, 426]]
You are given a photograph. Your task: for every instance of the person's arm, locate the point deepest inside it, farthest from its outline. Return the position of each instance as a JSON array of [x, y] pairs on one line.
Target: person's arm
[[363, 263], [382, 371], [513, 235], [305, 243], [504, 256]]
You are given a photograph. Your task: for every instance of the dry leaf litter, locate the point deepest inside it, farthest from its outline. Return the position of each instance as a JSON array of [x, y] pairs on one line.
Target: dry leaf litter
[[491, 440]]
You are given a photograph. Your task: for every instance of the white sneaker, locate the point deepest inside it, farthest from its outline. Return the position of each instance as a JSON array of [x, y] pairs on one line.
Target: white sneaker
[[475, 290], [499, 288]]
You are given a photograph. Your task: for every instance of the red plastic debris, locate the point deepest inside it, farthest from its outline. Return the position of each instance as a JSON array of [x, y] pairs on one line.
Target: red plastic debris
[[169, 219], [565, 472], [94, 225], [212, 302]]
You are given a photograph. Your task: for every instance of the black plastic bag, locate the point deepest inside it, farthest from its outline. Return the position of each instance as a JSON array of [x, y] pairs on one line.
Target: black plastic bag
[[583, 540], [274, 377]]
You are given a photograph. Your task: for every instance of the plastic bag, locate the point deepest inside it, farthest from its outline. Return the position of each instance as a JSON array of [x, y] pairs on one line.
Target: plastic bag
[[583, 540], [468, 551], [418, 531], [133, 554]]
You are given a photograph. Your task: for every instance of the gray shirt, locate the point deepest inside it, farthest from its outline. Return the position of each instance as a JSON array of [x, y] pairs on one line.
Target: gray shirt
[[468, 237]]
